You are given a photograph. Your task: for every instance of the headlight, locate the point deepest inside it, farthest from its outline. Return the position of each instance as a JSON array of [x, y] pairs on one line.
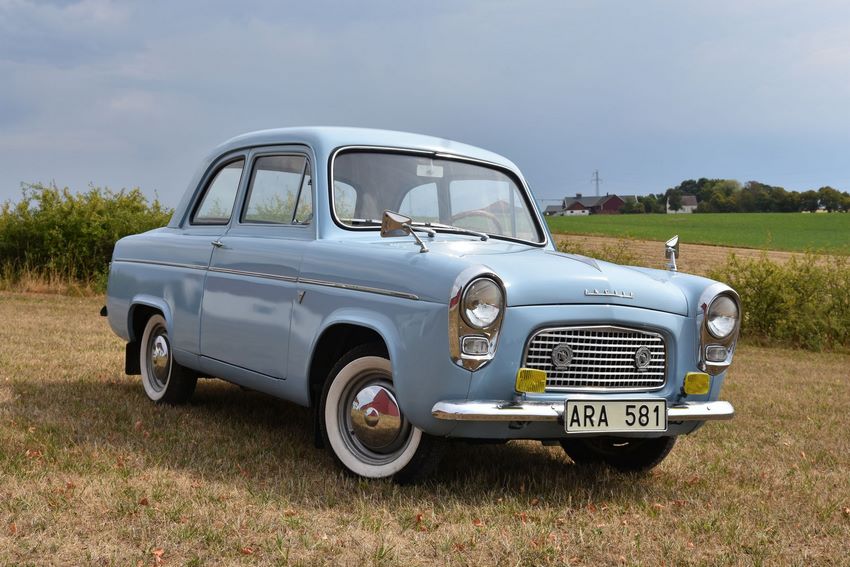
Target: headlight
[[722, 316], [482, 303]]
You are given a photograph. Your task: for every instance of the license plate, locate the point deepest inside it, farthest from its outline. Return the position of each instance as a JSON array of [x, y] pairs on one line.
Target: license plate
[[615, 416]]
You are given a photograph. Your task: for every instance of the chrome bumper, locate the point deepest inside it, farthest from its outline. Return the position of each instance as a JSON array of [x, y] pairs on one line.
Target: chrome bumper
[[500, 410]]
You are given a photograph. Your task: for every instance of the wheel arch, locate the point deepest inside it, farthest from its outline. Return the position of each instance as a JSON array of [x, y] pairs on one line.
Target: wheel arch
[[141, 309]]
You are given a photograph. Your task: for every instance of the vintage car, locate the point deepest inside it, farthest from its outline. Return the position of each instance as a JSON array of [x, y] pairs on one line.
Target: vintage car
[[407, 288]]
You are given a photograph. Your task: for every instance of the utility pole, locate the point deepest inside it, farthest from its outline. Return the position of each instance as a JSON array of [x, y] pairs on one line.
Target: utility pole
[[596, 180]]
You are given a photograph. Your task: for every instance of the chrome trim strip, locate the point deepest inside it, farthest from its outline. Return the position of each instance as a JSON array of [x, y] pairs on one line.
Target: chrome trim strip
[[159, 263], [502, 410], [363, 288], [291, 279]]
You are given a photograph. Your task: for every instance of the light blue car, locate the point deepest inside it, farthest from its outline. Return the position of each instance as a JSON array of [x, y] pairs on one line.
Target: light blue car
[[407, 289]]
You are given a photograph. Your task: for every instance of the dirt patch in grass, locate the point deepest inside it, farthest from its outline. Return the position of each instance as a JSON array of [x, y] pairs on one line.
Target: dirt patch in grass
[[92, 473], [695, 258]]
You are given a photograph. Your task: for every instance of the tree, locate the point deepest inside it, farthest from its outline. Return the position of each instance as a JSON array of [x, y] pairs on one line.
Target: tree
[[674, 200], [809, 201], [829, 198]]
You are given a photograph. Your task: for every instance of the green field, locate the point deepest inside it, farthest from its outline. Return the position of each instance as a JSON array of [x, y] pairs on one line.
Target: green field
[[794, 232]]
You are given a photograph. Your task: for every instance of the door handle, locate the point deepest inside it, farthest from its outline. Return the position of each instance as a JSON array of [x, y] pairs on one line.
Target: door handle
[[217, 243]]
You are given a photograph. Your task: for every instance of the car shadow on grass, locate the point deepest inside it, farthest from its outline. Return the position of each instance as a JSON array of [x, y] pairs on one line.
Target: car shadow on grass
[[230, 435]]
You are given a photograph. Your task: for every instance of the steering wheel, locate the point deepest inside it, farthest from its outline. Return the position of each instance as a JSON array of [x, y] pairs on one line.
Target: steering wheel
[[480, 213]]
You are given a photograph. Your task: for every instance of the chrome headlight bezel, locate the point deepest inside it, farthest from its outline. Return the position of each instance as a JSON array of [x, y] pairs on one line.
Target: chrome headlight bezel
[[708, 338], [460, 325]]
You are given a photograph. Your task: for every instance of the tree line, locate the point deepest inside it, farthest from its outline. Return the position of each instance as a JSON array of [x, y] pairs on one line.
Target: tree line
[[730, 196]]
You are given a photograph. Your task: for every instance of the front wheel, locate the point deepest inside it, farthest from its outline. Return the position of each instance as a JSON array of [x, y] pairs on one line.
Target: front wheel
[[165, 381], [625, 454], [363, 425]]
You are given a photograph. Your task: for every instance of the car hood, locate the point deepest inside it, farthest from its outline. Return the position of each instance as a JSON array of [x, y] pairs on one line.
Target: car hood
[[539, 276]]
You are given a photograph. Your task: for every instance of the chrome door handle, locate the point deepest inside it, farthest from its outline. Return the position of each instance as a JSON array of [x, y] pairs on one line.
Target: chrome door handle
[[217, 243]]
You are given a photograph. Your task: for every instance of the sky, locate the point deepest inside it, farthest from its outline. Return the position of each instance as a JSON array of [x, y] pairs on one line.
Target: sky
[[127, 94]]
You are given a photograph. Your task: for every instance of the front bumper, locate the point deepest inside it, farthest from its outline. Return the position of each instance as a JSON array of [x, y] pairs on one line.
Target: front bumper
[[500, 410]]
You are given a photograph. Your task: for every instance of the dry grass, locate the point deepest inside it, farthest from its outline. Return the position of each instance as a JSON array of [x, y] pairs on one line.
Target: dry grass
[[92, 473]]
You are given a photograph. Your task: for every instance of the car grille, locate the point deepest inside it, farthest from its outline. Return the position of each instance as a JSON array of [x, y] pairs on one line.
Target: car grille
[[603, 358]]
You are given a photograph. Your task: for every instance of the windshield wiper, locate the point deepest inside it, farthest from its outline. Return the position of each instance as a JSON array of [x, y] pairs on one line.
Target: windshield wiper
[[366, 222], [457, 229]]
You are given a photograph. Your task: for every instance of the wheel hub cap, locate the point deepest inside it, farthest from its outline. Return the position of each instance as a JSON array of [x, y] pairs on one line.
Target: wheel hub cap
[[160, 357], [376, 419]]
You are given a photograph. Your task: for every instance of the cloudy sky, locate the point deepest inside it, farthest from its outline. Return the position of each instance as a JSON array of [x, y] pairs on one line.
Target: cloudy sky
[[125, 94]]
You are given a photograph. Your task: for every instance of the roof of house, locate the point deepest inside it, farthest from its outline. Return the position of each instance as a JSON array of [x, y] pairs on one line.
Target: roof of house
[[552, 209], [689, 201]]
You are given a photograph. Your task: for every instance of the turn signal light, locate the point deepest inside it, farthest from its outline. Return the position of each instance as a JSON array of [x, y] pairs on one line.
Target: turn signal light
[[531, 381], [697, 383]]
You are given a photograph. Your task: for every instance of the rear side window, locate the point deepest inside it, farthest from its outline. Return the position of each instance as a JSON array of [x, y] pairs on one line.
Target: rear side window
[[277, 182], [217, 203]]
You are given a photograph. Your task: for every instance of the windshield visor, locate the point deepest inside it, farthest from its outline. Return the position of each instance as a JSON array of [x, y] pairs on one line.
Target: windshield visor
[[430, 190]]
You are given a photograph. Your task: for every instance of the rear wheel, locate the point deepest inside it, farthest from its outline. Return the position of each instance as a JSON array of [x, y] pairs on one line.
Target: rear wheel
[[363, 425], [165, 381], [622, 453]]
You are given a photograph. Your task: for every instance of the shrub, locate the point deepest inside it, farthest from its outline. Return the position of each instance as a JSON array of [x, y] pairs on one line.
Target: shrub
[[55, 233], [620, 253], [804, 302]]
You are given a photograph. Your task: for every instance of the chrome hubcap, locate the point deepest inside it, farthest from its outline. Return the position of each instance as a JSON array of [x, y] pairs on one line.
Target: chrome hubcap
[[375, 419], [159, 365]]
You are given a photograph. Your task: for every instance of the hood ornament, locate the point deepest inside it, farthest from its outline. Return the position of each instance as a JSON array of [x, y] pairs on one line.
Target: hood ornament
[[610, 293]]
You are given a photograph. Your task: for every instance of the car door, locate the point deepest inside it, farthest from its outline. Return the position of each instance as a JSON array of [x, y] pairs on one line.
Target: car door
[[251, 285], [190, 247]]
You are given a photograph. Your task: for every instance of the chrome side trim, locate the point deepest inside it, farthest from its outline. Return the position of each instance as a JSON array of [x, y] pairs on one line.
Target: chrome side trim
[[502, 410], [159, 263], [264, 275], [363, 288], [292, 279]]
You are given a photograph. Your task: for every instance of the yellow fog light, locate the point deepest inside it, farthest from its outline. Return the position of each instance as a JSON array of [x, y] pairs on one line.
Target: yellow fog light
[[530, 380], [697, 383]]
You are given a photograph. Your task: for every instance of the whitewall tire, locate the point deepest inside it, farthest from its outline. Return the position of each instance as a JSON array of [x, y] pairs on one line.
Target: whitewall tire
[[165, 381], [363, 426]]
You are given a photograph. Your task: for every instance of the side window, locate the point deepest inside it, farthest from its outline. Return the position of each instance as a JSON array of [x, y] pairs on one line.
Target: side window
[[274, 188], [217, 203], [421, 203], [345, 199]]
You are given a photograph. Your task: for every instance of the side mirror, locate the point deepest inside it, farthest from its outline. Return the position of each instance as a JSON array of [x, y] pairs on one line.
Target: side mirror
[[396, 224], [671, 252]]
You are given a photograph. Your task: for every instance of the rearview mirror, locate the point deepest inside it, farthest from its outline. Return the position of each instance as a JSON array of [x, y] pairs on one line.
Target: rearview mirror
[[395, 224], [671, 252]]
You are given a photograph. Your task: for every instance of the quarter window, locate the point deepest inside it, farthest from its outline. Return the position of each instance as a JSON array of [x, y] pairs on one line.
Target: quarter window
[[273, 195], [217, 204]]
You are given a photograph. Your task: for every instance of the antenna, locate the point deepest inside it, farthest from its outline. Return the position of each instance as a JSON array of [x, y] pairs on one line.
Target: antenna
[[596, 180]]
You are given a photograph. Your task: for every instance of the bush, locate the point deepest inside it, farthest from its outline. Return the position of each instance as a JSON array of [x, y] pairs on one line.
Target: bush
[[619, 253], [57, 234], [804, 302]]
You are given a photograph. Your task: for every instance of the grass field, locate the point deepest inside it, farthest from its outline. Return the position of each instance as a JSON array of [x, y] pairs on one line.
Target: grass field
[[94, 474], [796, 232]]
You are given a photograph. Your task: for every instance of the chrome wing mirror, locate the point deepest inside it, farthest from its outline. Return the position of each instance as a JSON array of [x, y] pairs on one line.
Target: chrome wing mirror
[[396, 224], [671, 252]]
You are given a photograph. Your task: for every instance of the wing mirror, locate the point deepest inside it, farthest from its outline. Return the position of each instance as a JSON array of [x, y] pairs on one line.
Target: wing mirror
[[396, 224], [671, 252]]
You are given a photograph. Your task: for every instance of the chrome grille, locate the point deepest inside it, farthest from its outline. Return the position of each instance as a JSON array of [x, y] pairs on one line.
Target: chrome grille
[[603, 358]]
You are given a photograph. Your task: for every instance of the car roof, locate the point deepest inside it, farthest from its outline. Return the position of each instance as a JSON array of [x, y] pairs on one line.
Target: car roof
[[325, 139]]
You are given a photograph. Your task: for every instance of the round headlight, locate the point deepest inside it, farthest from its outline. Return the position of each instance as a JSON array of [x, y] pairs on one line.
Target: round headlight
[[722, 316], [482, 303]]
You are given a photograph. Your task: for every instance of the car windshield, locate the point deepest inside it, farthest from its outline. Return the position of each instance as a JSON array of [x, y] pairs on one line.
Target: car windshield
[[432, 190]]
